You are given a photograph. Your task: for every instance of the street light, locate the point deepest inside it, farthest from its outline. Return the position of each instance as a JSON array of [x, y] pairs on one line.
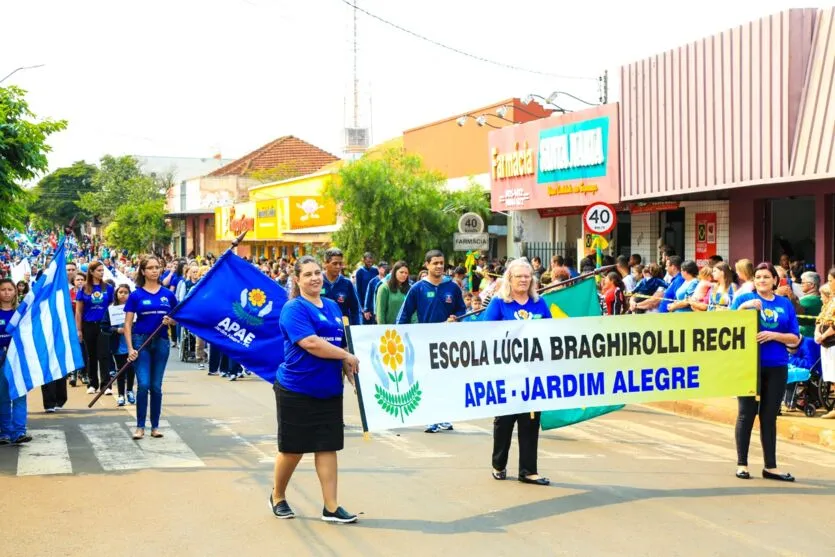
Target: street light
[[480, 120], [21, 69]]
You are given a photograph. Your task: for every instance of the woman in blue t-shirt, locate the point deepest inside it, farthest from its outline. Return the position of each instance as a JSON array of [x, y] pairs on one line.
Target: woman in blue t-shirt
[[150, 303], [517, 299], [13, 413], [778, 329], [684, 293], [90, 306], [308, 390]]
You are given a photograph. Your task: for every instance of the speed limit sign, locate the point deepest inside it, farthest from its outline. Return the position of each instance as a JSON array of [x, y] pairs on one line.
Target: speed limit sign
[[600, 218]]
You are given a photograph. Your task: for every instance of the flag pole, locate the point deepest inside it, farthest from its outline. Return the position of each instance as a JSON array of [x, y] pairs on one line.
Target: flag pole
[[151, 337], [564, 283]]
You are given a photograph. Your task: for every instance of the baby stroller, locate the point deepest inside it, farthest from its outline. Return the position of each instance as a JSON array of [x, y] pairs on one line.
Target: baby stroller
[[188, 346], [805, 386]]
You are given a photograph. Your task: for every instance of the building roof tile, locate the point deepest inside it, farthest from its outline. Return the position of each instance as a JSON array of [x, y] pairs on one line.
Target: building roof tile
[[288, 149]]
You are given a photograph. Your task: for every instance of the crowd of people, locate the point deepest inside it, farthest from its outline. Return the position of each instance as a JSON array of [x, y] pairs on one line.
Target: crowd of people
[[122, 303]]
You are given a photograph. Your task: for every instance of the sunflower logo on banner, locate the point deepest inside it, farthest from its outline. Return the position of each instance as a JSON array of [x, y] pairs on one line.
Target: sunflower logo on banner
[[393, 360], [251, 308]]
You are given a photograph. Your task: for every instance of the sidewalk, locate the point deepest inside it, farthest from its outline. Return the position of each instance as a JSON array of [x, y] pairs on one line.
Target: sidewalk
[[793, 425]]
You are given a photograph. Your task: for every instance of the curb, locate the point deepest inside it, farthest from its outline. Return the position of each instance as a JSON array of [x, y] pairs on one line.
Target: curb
[[788, 427]]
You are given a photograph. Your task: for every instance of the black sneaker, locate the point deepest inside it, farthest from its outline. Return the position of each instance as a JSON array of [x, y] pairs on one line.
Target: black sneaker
[[281, 509], [20, 439], [340, 516]]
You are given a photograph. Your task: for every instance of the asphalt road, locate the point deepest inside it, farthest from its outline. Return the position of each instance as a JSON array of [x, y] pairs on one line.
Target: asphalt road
[[637, 482]]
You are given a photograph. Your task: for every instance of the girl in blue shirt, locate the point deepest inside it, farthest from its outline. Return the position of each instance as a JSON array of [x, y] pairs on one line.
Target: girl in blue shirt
[[90, 306], [778, 329], [13, 413], [120, 351], [517, 300], [150, 303], [308, 390]]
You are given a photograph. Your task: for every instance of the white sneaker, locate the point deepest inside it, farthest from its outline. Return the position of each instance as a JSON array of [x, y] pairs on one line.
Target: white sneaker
[[49, 410], [108, 391], [91, 391]]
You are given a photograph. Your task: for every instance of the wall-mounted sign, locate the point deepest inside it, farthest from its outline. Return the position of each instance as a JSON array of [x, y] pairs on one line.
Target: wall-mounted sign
[[575, 159], [310, 211], [518, 162], [705, 237], [232, 220]]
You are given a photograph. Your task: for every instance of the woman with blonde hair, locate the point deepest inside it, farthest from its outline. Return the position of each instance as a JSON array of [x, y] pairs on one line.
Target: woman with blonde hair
[[825, 333], [745, 273], [517, 299]]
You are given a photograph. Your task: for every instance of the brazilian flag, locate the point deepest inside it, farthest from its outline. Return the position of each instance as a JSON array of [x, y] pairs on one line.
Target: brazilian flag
[[579, 300]]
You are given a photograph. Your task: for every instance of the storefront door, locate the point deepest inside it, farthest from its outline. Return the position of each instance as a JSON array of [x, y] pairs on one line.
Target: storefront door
[[792, 228], [672, 230]]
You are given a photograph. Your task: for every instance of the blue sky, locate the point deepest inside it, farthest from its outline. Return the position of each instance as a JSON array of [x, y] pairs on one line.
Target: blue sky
[[194, 77]]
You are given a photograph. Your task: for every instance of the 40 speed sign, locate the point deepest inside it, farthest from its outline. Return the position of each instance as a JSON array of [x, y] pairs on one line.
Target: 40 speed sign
[[600, 218]]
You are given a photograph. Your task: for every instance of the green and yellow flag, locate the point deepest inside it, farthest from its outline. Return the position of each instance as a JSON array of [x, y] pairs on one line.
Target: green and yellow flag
[[579, 300]]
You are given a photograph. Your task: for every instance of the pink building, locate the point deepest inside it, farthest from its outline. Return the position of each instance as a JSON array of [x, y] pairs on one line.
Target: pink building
[[739, 130]]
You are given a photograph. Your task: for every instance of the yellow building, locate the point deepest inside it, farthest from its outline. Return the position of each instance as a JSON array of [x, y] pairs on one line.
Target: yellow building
[[283, 218]]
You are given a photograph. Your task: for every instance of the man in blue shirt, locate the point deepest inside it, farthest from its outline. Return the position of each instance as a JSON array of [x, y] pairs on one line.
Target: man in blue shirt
[[365, 274], [370, 300], [676, 280], [339, 288], [435, 300]]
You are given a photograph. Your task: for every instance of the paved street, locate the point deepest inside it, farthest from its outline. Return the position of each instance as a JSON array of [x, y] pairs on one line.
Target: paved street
[[637, 482]]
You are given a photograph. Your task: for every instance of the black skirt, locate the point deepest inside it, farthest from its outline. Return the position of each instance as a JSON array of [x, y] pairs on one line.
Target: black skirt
[[307, 424]]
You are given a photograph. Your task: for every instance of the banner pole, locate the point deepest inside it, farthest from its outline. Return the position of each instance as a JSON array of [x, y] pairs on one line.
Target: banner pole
[[113, 379], [350, 343]]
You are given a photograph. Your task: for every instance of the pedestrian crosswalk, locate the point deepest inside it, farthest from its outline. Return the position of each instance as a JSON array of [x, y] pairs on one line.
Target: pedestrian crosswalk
[[107, 447]]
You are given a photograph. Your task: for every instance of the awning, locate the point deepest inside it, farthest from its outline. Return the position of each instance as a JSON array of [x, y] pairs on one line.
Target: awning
[[190, 213]]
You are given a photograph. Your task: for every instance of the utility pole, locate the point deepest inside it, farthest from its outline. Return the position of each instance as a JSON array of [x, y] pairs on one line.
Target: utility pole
[[356, 77], [604, 87]]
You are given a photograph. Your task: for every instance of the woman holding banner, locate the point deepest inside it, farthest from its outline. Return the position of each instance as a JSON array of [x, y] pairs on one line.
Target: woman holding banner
[[517, 299], [308, 390], [778, 329]]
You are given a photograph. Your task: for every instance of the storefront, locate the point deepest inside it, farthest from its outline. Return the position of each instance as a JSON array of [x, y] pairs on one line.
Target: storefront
[[748, 159], [545, 172], [288, 218]]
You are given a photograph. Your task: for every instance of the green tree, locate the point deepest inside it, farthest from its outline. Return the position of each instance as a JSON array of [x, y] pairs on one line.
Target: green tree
[[23, 152], [54, 198], [139, 228], [396, 208], [119, 182]]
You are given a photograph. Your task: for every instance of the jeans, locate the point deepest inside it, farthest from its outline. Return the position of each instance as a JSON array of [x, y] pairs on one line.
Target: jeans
[[150, 368], [12, 412], [772, 389]]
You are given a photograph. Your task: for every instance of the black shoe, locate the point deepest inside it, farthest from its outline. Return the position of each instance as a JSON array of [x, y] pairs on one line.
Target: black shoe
[[340, 516], [743, 475], [20, 439], [500, 475], [281, 509], [538, 481], [73, 381], [779, 477]]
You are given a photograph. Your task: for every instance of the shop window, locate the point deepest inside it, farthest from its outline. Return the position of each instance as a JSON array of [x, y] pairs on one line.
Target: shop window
[[792, 228], [623, 234], [672, 230]]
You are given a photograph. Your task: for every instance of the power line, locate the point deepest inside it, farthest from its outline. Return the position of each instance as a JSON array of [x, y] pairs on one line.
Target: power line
[[461, 52]]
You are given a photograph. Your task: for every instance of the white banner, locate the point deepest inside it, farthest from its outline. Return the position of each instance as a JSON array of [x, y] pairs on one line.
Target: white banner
[[413, 375], [20, 271]]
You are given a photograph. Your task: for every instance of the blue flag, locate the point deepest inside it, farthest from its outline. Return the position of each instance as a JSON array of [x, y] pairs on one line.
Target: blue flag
[[44, 345], [235, 308]]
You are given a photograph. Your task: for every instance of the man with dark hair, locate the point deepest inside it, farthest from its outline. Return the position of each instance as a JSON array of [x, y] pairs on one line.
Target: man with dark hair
[[634, 259], [339, 288], [714, 261], [365, 274], [459, 275], [435, 300], [676, 280], [370, 302], [622, 264]]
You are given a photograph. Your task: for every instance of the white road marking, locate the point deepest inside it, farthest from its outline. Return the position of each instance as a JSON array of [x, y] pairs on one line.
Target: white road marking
[[169, 451], [402, 443], [618, 441], [47, 454], [115, 450], [687, 448], [223, 425]]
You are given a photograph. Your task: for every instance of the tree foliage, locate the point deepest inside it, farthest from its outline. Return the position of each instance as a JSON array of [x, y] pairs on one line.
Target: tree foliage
[[396, 208], [23, 152], [119, 182], [54, 198], [140, 227]]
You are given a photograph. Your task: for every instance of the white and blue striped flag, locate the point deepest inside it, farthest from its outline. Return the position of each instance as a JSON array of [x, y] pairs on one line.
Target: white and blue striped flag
[[44, 345]]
